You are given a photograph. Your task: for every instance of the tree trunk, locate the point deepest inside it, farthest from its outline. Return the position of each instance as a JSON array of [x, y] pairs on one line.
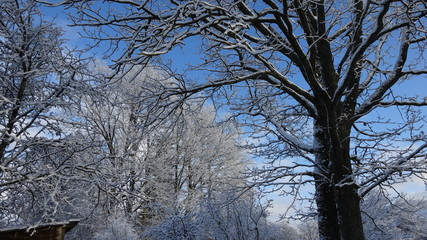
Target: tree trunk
[[338, 203], [349, 217], [346, 195], [326, 210]]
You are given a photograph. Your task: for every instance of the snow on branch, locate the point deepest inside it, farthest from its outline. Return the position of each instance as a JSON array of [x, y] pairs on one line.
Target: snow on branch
[[289, 138], [398, 167], [404, 103]]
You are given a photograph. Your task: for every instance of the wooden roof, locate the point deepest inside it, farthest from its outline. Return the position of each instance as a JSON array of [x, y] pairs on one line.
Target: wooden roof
[[51, 231]]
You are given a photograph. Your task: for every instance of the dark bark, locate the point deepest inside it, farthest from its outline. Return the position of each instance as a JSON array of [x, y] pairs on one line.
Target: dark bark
[[326, 210], [338, 202], [348, 208], [325, 200], [346, 191]]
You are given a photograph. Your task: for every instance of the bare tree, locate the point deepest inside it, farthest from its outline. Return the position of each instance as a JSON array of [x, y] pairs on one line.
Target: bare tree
[[37, 76], [309, 77]]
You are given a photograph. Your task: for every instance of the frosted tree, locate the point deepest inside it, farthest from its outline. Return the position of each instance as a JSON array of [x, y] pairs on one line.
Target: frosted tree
[[201, 168], [308, 230], [311, 78], [149, 168], [113, 117], [394, 217], [117, 228], [37, 76]]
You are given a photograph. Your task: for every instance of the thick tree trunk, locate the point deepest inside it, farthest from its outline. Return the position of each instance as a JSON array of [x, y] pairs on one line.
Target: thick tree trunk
[[346, 195], [349, 217], [338, 202], [326, 210]]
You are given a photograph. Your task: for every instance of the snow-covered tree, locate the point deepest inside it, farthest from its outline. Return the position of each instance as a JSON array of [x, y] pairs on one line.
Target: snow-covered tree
[[228, 215], [394, 217], [37, 77], [113, 117], [312, 79], [308, 230], [154, 176], [117, 228]]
